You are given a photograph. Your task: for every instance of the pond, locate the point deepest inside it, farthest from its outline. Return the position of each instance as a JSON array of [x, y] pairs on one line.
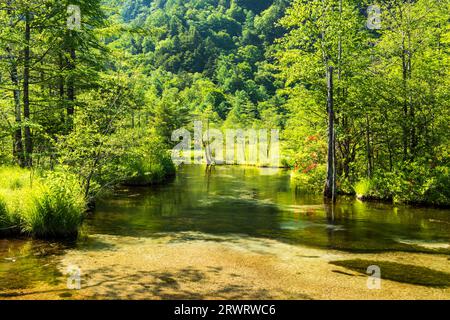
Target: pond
[[180, 239]]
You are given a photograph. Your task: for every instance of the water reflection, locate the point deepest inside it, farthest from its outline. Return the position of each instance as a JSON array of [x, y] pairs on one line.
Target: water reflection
[[24, 263], [224, 204], [260, 203]]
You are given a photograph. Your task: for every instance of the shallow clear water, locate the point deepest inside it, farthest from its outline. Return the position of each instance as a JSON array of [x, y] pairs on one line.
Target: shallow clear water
[[262, 203], [235, 201]]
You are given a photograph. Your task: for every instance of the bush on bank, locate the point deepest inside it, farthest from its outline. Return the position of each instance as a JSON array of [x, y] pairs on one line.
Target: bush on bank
[[414, 184], [309, 180], [149, 163], [52, 204], [48, 205]]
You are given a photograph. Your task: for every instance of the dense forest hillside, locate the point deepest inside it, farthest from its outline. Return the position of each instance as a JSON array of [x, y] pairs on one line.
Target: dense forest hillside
[[221, 46]]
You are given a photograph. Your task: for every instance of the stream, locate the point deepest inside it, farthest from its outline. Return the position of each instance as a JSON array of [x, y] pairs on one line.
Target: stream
[[234, 232]]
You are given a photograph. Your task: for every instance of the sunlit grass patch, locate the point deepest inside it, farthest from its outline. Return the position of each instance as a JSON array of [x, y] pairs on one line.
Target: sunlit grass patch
[[15, 191], [362, 188], [147, 172], [45, 206], [404, 273], [57, 209]]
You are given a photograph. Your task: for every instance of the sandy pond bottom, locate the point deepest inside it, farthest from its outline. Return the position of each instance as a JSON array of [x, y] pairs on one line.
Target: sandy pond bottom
[[199, 266]]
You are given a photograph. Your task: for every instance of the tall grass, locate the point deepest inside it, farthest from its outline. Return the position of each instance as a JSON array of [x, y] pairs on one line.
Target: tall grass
[[44, 206], [6, 221], [363, 188], [58, 209], [9, 222], [14, 185]]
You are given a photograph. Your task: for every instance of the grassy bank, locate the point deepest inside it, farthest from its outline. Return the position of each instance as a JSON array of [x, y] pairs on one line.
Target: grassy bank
[[148, 164], [53, 204], [43, 205], [413, 185], [416, 185]]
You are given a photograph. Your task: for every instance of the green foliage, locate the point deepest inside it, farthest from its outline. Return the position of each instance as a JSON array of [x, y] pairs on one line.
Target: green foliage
[[58, 208], [50, 206], [311, 180], [413, 184], [202, 41], [104, 100], [148, 163], [94, 148], [391, 105], [107, 147]]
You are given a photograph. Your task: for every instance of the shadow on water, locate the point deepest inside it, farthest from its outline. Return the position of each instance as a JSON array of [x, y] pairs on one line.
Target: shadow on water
[[260, 203]]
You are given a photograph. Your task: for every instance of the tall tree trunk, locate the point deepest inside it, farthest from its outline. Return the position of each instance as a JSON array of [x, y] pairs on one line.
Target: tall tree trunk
[[61, 87], [409, 130], [405, 124], [26, 93], [330, 186], [71, 84], [412, 111], [369, 148], [18, 144], [61, 77], [412, 114]]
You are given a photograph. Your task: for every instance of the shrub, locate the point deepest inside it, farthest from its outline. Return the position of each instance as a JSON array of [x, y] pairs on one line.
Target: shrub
[[50, 206], [411, 184], [345, 187], [309, 164], [148, 164], [311, 180], [437, 188], [363, 188], [58, 208]]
